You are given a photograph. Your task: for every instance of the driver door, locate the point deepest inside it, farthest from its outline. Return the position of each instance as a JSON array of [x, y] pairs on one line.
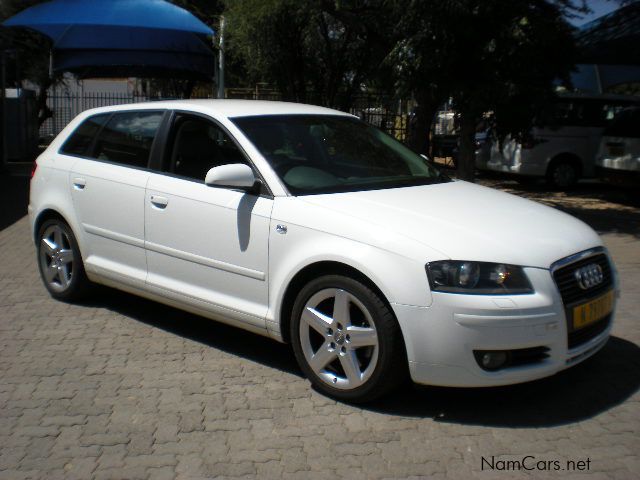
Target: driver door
[[206, 246]]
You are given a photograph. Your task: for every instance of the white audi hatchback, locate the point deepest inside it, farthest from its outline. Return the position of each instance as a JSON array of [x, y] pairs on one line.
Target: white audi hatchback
[[306, 225]]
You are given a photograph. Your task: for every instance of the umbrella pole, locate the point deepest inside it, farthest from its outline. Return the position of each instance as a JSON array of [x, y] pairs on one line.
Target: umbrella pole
[[54, 119], [221, 60]]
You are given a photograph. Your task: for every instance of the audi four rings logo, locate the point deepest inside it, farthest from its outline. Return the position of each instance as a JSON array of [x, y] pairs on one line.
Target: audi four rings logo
[[589, 276]]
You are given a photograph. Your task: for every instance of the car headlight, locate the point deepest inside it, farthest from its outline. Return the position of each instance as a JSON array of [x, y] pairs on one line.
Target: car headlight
[[480, 278]]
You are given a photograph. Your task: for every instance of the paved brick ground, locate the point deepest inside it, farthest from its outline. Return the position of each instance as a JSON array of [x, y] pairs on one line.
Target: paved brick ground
[[126, 388]]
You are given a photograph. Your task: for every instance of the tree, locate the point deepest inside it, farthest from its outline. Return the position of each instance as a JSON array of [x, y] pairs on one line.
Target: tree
[[31, 51], [318, 50], [486, 55], [210, 12]]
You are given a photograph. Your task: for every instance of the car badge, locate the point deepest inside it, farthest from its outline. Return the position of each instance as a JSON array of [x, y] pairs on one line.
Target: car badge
[[589, 276]]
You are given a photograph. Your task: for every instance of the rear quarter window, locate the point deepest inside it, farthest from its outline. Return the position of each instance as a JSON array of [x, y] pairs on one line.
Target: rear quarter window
[[82, 137], [127, 138]]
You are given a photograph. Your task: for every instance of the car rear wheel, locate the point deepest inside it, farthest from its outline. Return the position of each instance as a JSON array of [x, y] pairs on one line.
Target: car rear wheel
[[563, 174], [346, 339], [60, 262]]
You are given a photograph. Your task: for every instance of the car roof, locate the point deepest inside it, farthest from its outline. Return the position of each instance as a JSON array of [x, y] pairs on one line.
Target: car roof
[[225, 108]]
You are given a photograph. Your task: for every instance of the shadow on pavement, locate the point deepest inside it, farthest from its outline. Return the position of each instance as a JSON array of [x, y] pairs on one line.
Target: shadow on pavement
[[214, 334], [14, 198], [586, 390]]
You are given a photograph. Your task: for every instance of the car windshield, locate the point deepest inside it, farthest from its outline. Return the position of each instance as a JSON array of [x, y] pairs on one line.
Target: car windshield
[[315, 154]]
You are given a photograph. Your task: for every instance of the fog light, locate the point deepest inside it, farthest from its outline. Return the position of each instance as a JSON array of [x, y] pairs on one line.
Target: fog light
[[491, 361]]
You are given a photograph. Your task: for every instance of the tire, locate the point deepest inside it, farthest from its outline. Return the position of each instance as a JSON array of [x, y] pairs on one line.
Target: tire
[[355, 354], [563, 174], [60, 262]]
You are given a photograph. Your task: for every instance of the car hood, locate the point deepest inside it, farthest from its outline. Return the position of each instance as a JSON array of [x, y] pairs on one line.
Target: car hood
[[465, 221]]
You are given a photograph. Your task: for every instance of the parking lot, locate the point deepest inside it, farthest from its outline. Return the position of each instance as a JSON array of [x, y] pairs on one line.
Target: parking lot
[[121, 387]]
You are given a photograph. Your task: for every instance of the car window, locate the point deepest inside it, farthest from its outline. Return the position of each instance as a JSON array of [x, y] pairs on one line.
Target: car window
[[625, 124], [199, 145], [315, 154], [610, 110], [127, 138], [577, 113], [585, 112], [599, 113], [80, 140]]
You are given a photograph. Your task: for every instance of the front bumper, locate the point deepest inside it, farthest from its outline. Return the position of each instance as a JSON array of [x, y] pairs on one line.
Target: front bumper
[[441, 338]]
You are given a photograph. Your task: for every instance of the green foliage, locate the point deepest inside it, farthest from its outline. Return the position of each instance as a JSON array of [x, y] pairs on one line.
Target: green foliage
[[326, 47], [486, 55]]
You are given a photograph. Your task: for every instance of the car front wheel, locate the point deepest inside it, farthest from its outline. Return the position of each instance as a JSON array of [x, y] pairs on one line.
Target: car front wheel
[[60, 262], [346, 339]]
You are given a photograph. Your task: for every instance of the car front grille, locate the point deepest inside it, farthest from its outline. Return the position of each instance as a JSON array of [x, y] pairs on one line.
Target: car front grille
[[573, 294], [568, 285]]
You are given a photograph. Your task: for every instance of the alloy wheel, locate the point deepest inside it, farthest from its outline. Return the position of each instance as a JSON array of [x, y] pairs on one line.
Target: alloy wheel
[[56, 258], [339, 338]]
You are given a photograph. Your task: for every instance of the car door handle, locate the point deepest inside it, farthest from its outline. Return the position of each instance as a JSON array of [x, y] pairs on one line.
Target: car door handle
[[159, 202], [79, 183]]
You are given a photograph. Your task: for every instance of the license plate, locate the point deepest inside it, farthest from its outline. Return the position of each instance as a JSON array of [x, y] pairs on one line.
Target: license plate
[[592, 311]]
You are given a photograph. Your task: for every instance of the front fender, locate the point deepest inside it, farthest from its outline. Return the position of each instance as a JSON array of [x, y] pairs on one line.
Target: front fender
[[402, 280]]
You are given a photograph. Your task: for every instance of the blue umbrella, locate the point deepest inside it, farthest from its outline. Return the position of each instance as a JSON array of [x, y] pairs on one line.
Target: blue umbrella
[[122, 37]]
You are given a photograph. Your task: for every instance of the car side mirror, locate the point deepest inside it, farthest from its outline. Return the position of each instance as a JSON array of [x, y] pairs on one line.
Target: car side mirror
[[234, 175]]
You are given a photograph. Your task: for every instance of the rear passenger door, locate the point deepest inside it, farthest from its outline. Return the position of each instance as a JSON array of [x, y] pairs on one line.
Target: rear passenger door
[[108, 189]]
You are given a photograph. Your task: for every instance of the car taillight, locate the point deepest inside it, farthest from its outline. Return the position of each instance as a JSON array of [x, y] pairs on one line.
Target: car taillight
[[33, 169]]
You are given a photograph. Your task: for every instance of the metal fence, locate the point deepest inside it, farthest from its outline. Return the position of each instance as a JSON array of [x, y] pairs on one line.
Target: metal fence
[[384, 112], [66, 106]]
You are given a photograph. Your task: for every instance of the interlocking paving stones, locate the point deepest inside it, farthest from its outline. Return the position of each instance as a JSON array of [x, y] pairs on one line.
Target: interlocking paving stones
[[121, 387]]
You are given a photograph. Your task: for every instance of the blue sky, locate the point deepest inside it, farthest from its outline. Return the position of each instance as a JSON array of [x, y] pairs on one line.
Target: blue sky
[[599, 7]]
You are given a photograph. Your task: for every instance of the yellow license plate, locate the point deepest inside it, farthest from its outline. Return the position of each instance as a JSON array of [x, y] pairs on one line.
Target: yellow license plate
[[593, 311]]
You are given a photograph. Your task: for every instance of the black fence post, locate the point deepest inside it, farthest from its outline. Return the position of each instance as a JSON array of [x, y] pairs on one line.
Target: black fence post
[[3, 109]]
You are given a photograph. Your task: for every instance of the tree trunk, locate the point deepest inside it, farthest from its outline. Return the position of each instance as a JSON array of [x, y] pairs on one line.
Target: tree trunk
[[466, 154], [187, 88], [44, 112], [419, 128]]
